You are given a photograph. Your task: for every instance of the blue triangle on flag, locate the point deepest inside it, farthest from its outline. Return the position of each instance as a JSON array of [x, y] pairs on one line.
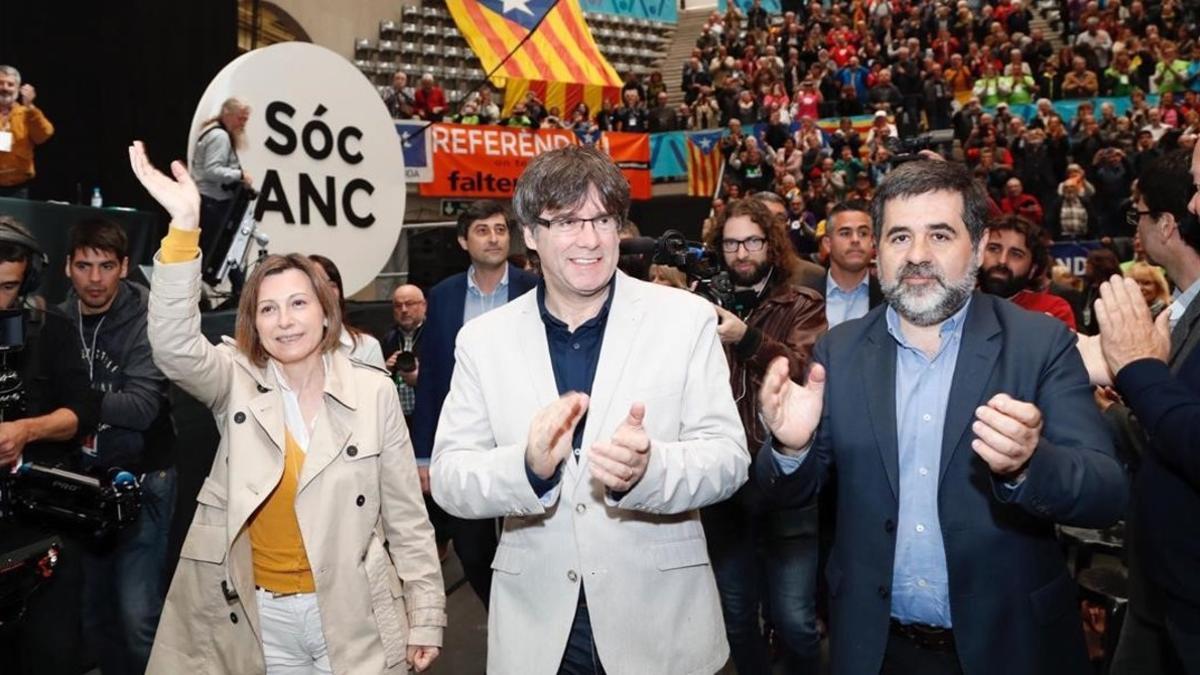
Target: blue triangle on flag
[[524, 12]]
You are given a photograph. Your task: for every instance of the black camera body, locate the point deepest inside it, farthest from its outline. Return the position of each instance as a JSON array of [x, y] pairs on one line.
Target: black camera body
[[94, 507], [406, 362], [910, 148], [705, 271]]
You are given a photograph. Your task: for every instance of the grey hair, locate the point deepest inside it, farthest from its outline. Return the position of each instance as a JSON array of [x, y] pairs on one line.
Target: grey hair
[[768, 197], [11, 72], [560, 179], [920, 177]]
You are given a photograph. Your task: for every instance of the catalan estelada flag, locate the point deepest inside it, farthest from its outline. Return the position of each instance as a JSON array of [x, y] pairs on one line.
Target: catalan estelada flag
[[563, 96], [560, 50], [704, 161]]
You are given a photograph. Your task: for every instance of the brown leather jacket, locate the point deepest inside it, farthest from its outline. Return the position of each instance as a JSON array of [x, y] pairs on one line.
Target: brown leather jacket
[[787, 322]]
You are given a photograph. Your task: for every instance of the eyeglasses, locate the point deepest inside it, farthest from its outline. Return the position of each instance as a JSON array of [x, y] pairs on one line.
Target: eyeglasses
[[408, 304], [752, 244], [1134, 216], [603, 224]]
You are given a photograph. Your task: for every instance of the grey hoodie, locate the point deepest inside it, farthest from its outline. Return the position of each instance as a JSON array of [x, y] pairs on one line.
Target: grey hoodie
[[135, 426]]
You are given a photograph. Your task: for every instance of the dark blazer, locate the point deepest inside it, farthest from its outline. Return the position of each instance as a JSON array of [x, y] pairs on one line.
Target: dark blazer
[[1161, 425], [442, 322], [1012, 601], [810, 275]]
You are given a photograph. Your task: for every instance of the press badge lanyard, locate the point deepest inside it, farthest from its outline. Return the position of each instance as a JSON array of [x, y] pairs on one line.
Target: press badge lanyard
[[90, 354]]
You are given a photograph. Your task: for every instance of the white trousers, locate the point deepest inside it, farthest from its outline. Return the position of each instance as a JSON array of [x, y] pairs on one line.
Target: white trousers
[[293, 643]]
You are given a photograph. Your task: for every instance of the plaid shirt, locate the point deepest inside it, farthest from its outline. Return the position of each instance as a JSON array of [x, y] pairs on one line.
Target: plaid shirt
[[397, 340], [1073, 218]]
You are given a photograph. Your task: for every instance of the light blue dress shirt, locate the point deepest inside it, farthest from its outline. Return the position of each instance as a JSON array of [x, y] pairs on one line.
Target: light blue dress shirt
[[479, 303], [1180, 305], [920, 585], [842, 306]]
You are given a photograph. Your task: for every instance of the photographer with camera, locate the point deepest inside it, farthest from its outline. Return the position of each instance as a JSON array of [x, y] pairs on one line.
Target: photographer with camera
[[47, 405], [123, 577], [767, 317], [401, 342]]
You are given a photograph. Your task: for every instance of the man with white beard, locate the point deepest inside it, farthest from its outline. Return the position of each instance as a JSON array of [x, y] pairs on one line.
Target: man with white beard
[[961, 428], [22, 126]]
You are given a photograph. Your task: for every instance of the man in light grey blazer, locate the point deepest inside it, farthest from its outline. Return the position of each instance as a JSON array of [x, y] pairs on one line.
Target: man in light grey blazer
[[595, 414]]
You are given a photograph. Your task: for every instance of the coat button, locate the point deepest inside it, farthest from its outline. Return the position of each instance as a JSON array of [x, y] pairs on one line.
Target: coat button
[[883, 592], [361, 500], [352, 451], [261, 389], [889, 526], [572, 576], [233, 617], [580, 508], [239, 417]]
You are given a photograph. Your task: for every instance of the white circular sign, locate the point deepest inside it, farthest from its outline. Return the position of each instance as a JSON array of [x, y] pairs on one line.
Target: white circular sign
[[323, 153]]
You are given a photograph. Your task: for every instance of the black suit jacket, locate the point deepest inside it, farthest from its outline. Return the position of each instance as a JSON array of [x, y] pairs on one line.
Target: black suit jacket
[[1162, 425], [436, 356], [1012, 602]]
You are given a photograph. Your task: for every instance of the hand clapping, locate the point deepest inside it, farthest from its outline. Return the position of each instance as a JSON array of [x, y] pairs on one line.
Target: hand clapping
[[621, 462], [791, 412], [551, 431]]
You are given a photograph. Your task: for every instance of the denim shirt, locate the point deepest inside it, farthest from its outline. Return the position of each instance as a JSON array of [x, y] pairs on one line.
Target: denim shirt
[[920, 584]]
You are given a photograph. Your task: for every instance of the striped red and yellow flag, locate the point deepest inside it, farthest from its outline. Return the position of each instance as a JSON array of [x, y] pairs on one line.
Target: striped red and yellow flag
[[704, 161], [561, 50], [561, 95]]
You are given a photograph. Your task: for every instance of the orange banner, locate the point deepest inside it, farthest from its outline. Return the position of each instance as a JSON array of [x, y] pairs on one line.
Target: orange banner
[[473, 161]]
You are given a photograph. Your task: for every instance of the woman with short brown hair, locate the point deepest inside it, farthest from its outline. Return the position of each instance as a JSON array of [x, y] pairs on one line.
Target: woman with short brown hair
[[310, 550]]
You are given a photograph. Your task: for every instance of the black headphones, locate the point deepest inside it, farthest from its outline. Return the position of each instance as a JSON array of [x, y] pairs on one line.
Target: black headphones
[[13, 233]]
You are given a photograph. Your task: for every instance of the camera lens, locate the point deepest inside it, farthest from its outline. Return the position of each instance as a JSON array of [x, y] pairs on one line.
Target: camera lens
[[406, 362]]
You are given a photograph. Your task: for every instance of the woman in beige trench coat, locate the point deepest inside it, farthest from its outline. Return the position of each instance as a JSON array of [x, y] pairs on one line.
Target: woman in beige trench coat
[[312, 444]]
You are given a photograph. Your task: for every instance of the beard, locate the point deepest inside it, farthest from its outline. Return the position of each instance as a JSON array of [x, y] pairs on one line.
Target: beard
[[755, 275], [7, 99], [930, 304], [1000, 281]]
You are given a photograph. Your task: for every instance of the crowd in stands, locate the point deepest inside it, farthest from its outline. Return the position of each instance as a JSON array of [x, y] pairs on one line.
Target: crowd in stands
[[983, 69], [980, 70]]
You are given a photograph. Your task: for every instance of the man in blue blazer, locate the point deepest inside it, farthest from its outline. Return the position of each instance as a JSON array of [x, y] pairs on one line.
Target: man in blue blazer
[[488, 283], [962, 428], [1157, 374]]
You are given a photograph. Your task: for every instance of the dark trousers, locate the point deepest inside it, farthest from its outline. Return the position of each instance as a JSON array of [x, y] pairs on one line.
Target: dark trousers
[[1149, 647], [475, 543], [904, 657], [765, 565], [124, 585], [15, 191], [47, 639], [580, 657]]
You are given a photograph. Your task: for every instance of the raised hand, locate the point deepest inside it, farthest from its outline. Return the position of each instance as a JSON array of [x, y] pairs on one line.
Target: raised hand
[[551, 431], [178, 196], [621, 462], [28, 94], [791, 412], [1127, 333], [1007, 432]]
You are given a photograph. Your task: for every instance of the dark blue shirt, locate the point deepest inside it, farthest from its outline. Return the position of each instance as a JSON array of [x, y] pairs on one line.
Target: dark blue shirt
[[573, 356]]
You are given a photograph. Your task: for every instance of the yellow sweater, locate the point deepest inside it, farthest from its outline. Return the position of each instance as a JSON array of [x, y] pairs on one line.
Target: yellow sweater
[[277, 546], [280, 562], [29, 127]]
